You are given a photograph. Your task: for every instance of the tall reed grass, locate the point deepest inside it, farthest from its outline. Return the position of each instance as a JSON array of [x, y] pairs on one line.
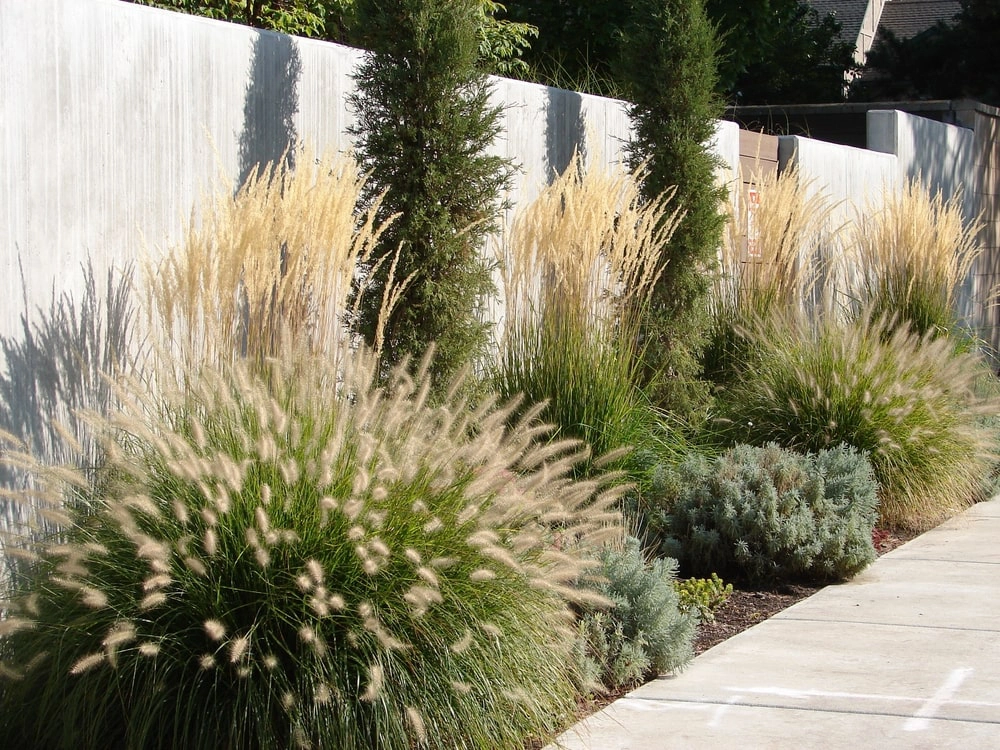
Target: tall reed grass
[[786, 227], [272, 266], [913, 252], [578, 270]]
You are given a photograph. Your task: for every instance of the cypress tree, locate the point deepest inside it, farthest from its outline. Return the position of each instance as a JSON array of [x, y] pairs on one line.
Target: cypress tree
[[668, 64], [424, 124]]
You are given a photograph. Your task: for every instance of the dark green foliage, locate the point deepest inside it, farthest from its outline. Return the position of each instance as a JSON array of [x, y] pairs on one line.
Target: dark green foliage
[[424, 121], [501, 42], [577, 42], [779, 52], [645, 632], [300, 17], [955, 59], [763, 514], [770, 51], [668, 64]]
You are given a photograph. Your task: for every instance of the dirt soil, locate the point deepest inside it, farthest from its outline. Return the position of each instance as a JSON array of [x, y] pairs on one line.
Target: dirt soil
[[749, 606], [746, 607]]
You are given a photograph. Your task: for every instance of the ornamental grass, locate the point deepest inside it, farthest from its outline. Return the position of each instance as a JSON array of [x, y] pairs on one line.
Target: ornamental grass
[[913, 253], [910, 401], [302, 560], [283, 547], [578, 270], [784, 273], [275, 264]]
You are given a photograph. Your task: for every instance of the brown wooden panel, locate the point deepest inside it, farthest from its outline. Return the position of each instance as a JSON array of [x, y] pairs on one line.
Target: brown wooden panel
[[752, 170], [758, 146]]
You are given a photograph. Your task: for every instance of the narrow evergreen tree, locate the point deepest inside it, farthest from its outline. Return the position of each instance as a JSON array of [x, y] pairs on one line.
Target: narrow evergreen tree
[[668, 63], [424, 123]]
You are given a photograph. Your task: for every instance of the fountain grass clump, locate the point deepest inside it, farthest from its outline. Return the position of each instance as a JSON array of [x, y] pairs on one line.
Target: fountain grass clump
[[302, 559]]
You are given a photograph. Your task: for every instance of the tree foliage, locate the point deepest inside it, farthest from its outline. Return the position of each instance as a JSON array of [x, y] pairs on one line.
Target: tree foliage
[[947, 61], [577, 42], [779, 52], [424, 122], [300, 17], [501, 42], [668, 64], [774, 51]]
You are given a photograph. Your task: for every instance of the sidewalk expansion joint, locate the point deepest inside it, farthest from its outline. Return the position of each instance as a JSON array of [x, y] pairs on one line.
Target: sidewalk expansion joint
[[666, 702], [834, 621]]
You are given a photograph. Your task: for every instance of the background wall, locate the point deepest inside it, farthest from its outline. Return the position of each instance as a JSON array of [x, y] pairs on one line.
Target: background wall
[[115, 120]]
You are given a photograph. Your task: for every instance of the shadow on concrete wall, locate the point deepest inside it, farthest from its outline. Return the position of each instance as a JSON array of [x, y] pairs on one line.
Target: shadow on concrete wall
[[565, 130], [55, 369], [270, 105]]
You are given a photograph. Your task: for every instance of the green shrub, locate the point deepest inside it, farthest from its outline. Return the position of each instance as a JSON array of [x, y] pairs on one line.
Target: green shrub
[[425, 124], [909, 401], [763, 514], [300, 559], [703, 595], [668, 67], [645, 632]]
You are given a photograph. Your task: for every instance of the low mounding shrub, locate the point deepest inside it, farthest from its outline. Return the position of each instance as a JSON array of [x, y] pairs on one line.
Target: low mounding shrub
[[644, 632], [704, 595], [762, 514], [909, 401], [299, 559]]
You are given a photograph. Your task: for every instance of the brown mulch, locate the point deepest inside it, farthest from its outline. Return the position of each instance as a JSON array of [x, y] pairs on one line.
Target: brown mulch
[[749, 606], [746, 607]]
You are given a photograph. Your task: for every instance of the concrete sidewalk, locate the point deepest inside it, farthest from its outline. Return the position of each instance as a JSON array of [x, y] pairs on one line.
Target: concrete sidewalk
[[907, 655]]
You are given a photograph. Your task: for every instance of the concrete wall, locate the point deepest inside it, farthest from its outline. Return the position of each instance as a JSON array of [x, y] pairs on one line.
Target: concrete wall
[[844, 173], [986, 126], [115, 119], [850, 178], [941, 156]]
